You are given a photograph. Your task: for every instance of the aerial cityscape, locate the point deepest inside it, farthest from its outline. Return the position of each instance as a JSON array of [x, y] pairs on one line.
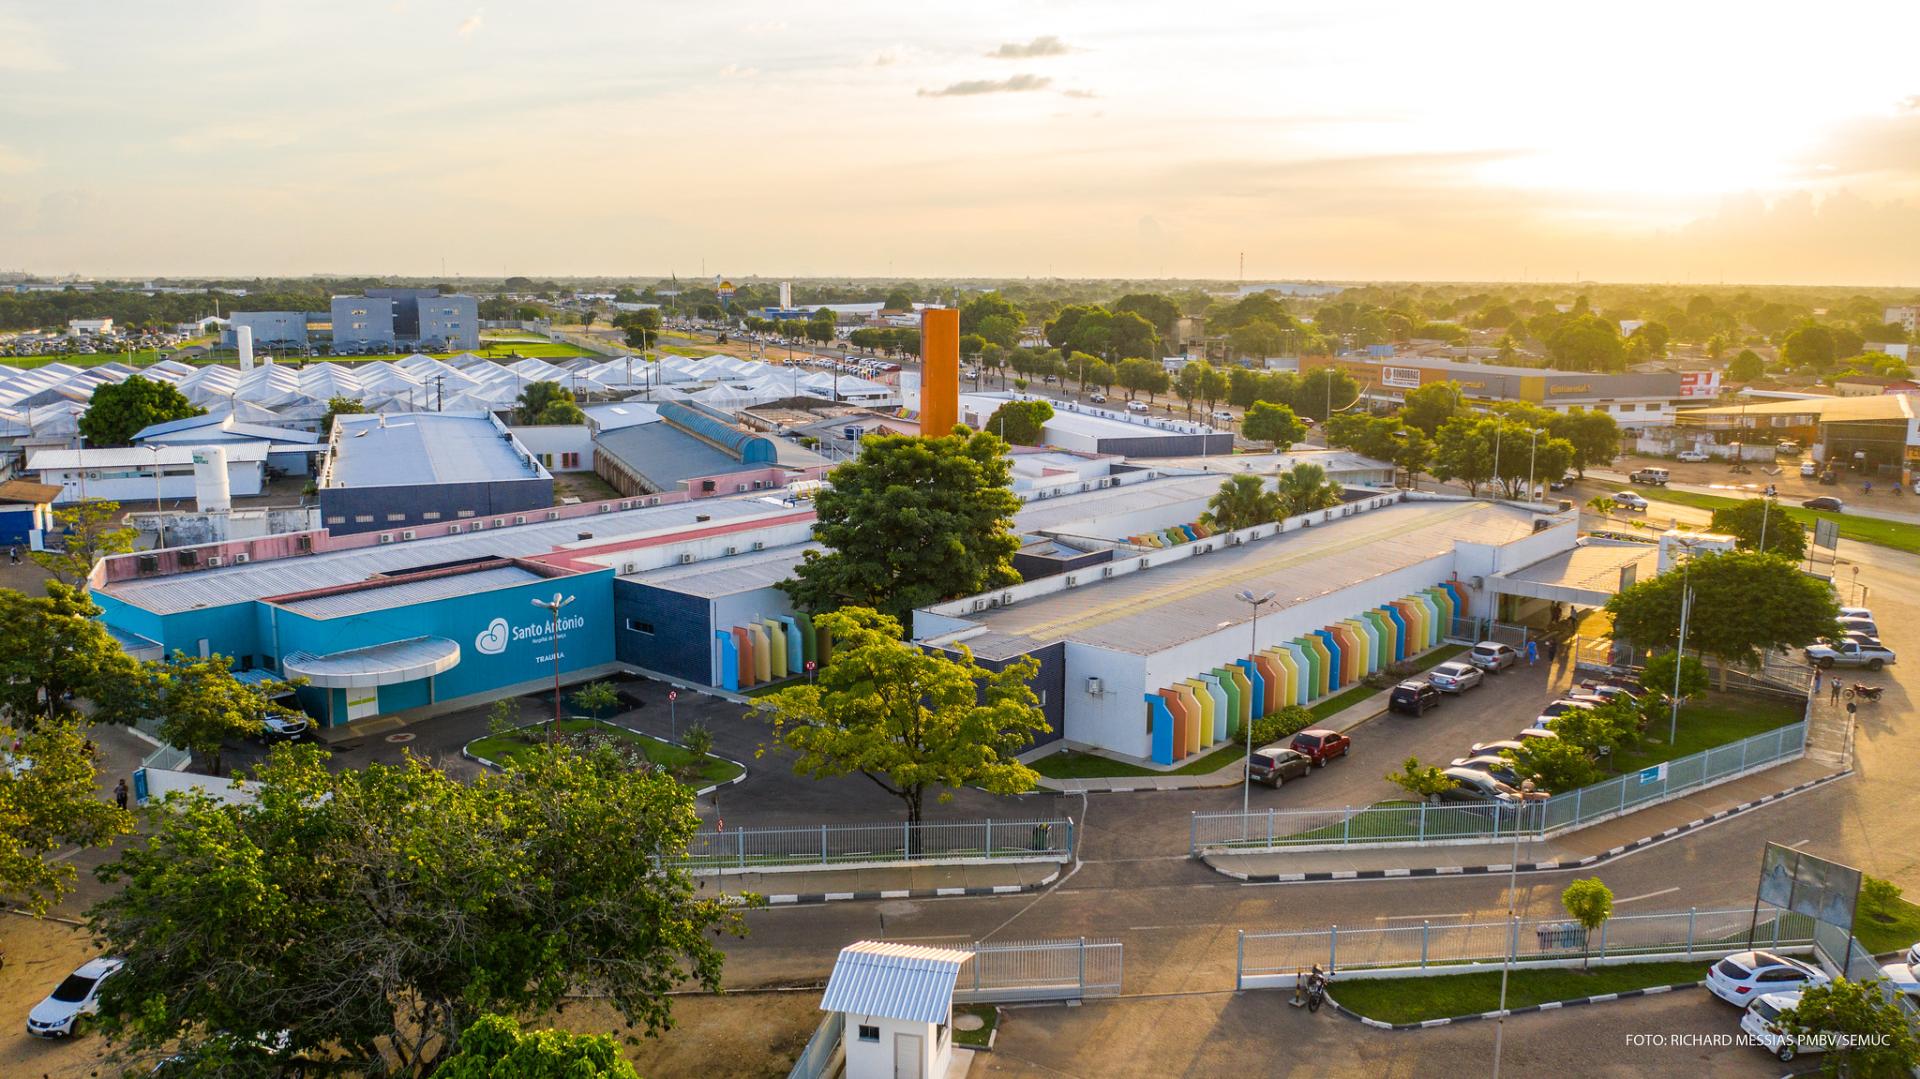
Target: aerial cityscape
[[912, 543]]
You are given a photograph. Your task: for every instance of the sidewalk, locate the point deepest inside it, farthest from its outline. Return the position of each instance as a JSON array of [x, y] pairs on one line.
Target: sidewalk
[[1227, 775], [1586, 846], [901, 882]]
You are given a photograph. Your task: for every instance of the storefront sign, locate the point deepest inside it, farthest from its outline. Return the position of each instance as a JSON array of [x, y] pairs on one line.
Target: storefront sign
[[1699, 383], [1579, 387], [1405, 378]]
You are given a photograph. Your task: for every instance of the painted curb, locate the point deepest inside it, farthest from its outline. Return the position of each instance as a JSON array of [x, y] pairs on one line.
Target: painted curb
[[904, 893], [1549, 1006], [1526, 867]]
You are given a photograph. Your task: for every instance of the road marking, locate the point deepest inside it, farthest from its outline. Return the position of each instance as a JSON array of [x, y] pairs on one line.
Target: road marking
[[1649, 895], [1417, 917], [1802, 843]]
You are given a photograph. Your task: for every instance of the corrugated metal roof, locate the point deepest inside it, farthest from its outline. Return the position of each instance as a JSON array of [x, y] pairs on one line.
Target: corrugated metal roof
[[280, 576], [424, 448], [382, 597], [666, 455], [1891, 406], [908, 982], [714, 577], [140, 456]]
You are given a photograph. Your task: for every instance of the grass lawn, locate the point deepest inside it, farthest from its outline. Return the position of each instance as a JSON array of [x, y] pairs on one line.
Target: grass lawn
[[976, 1039], [1886, 927], [1712, 721], [1415, 1000], [1074, 764], [1893, 534], [506, 748]]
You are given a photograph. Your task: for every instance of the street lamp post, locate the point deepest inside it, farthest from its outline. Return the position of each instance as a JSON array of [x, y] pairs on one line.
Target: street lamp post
[[1533, 444], [1246, 783], [1686, 607], [552, 607]]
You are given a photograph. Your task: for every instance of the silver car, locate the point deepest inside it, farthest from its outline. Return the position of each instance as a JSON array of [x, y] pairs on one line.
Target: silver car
[[1493, 656], [1455, 676]]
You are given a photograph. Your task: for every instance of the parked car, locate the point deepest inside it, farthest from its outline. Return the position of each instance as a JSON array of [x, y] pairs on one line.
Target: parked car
[[1692, 457], [1476, 786], [1563, 482], [1859, 625], [1136, 406], [1275, 764], [1655, 476], [1808, 470], [1849, 653], [1321, 745], [1855, 612], [1494, 749], [283, 727], [1761, 1026], [1221, 415], [1536, 732], [1493, 656], [59, 1014], [1824, 502], [1562, 707], [1605, 692], [1494, 765], [1629, 500], [1744, 977], [1456, 676], [1414, 697], [1097, 398]]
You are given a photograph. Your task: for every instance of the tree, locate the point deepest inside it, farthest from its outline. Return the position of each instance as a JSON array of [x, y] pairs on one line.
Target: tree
[[909, 522], [1590, 902], [89, 530], [1594, 436], [642, 327], [1242, 502], [587, 318], [1659, 676], [340, 406], [1387, 438], [120, 410], [1746, 367], [999, 330], [1553, 764], [1423, 782], [375, 913], [1155, 308], [1430, 406], [1588, 343], [1273, 424], [596, 698], [1867, 1035], [1748, 519], [1020, 422], [899, 300], [201, 704], [907, 719], [544, 404], [1602, 505], [46, 806], [1141, 376], [1600, 731], [503, 717], [1744, 604], [1809, 347], [1323, 391], [54, 649], [1463, 452], [1094, 372], [495, 1047], [1258, 338], [989, 305], [1305, 488]]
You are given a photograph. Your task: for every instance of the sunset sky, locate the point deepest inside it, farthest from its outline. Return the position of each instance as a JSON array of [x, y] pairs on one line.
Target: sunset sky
[[1365, 139]]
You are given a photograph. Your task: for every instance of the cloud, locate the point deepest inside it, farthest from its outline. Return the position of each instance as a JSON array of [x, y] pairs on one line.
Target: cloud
[[735, 71], [1046, 45], [1085, 94], [1016, 84], [472, 25]]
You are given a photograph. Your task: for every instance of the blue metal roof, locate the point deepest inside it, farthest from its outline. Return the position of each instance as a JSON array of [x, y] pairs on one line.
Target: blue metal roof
[[907, 982], [666, 455]]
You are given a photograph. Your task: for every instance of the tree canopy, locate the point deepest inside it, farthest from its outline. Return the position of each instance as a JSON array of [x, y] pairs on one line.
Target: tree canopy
[[1020, 422], [376, 913], [90, 530], [1872, 1038], [1754, 521], [120, 410], [1744, 603], [201, 704], [909, 522], [48, 805], [1386, 438], [908, 719], [642, 327], [1273, 424], [1242, 502], [56, 648], [546, 404], [1305, 488], [340, 406], [495, 1047], [1431, 405]]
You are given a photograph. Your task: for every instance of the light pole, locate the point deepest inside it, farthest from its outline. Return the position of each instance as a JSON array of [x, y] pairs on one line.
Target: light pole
[[1246, 783], [1533, 444], [1498, 427], [1686, 607], [552, 607]]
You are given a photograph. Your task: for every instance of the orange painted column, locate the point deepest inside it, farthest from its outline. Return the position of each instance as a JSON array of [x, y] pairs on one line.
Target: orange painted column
[[939, 371]]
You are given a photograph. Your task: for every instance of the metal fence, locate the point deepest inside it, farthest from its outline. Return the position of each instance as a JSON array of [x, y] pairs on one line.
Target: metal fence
[[1042, 970], [1687, 932], [1421, 822], [818, 1055], [1779, 674], [745, 849]]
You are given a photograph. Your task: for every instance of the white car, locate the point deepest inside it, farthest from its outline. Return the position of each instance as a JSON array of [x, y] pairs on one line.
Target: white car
[[1136, 406], [1692, 457], [1856, 612], [1759, 1027], [1629, 500], [1744, 977], [1808, 470], [78, 995], [1455, 676], [1850, 653], [1493, 656]]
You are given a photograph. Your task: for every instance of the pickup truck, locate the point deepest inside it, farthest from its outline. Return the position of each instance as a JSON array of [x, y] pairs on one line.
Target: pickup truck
[[1654, 476], [1849, 654]]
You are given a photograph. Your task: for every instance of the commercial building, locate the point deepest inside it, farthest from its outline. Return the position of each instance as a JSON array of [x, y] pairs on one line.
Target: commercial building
[[1906, 317], [1635, 401], [1088, 429], [1878, 435], [1152, 656], [89, 327], [422, 469], [127, 474], [289, 452], [388, 318], [698, 449], [26, 512], [270, 329]]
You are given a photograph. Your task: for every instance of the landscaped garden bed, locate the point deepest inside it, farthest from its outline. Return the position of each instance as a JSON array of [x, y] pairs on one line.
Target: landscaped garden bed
[[701, 771]]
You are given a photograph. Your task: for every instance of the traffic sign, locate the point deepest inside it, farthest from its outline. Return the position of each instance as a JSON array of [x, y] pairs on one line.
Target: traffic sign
[[810, 665], [673, 694]]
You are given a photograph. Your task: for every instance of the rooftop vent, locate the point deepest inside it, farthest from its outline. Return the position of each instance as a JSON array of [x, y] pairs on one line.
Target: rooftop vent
[[583, 535]]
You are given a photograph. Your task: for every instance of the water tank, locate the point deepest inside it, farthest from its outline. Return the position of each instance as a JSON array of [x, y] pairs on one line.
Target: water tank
[[243, 340], [210, 486]]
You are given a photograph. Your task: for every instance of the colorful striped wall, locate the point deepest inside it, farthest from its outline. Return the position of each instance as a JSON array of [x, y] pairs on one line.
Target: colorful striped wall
[[1210, 708], [768, 650], [1172, 537]]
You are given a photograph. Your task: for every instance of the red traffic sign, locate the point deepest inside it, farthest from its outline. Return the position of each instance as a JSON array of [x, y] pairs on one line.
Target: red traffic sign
[[810, 665], [673, 694]]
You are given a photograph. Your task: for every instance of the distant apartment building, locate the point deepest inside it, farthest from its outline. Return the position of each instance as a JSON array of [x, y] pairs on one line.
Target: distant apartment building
[[362, 322], [385, 319], [422, 316], [270, 328], [1907, 318]]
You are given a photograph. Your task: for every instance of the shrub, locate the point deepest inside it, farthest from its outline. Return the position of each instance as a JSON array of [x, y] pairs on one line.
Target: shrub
[[1878, 893], [698, 739], [1421, 782], [1391, 675], [1285, 723]]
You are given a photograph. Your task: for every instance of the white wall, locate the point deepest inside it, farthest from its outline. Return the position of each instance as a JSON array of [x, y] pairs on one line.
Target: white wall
[[548, 443], [874, 1060], [641, 559], [244, 478], [1117, 719]]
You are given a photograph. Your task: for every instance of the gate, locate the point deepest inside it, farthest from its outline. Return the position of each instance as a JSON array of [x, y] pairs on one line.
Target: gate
[[1041, 970]]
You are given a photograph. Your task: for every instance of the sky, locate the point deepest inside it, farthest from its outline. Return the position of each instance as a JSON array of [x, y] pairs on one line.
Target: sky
[[1691, 141]]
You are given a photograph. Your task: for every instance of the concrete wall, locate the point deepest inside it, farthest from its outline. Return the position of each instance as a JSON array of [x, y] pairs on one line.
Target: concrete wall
[[550, 444], [135, 485], [875, 1060], [665, 631], [435, 507]]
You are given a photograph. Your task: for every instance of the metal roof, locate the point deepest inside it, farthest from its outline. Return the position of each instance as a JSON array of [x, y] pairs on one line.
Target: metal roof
[[177, 592], [666, 455], [419, 448], [1075, 511], [1588, 574], [909, 982], [376, 665], [141, 456], [716, 577], [382, 597], [1890, 406]]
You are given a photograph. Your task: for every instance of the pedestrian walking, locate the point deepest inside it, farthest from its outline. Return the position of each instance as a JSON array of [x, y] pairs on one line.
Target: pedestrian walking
[[1553, 650], [13, 556], [1851, 709], [1816, 681], [120, 793], [1533, 652], [1834, 697]]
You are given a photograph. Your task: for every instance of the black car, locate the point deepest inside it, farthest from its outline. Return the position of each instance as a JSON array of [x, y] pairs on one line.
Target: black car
[[1414, 698], [1562, 483], [1824, 502], [1275, 764]]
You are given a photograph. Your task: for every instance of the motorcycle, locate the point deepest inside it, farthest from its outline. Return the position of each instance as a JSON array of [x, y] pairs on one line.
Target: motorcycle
[[1310, 991], [1865, 692]]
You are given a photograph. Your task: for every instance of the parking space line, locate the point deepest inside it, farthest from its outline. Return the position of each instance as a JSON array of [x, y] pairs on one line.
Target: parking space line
[[1649, 895]]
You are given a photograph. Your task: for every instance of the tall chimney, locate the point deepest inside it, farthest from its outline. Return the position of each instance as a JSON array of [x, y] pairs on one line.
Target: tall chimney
[[939, 371], [243, 337]]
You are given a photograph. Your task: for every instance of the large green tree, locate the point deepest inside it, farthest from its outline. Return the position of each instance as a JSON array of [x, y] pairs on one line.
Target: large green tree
[[1744, 604], [1242, 502], [1431, 405], [1139, 375], [119, 410], [55, 649], [495, 1047], [910, 720], [1020, 422], [1273, 424], [909, 522], [375, 913], [642, 327], [1587, 343], [985, 306], [1153, 307], [1305, 488], [1871, 1036], [201, 704], [1755, 521], [1463, 452], [89, 530], [48, 801], [546, 404], [1594, 436], [1809, 346], [1385, 438], [340, 406], [1323, 391]]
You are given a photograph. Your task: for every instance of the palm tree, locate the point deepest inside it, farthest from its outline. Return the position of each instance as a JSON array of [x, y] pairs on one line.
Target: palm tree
[[1242, 502], [1602, 505], [1305, 488]]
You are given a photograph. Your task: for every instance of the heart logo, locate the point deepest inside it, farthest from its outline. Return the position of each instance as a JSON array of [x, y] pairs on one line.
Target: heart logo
[[493, 640]]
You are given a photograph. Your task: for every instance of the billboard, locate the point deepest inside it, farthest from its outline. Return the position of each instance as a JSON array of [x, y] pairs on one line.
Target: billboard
[[1404, 378], [1806, 884], [1699, 383]]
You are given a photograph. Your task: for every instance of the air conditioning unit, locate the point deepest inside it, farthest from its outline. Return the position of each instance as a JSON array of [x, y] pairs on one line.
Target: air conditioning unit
[[1072, 580], [626, 505], [686, 557], [408, 534], [1108, 482], [1093, 687], [1106, 571], [519, 518], [1478, 581], [553, 515], [1006, 597], [626, 567], [733, 551], [759, 546], [213, 561], [386, 537], [499, 522], [453, 530], [241, 558], [606, 507], [979, 604], [1143, 563]]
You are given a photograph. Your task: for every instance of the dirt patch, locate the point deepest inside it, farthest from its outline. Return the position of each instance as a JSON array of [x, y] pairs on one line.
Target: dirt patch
[[40, 953], [748, 1035]]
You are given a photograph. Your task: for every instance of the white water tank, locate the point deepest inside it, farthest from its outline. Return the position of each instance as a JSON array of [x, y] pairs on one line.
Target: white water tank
[[210, 486], [243, 340]]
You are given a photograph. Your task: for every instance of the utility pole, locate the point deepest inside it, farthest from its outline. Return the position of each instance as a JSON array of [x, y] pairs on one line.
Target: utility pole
[[1246, 782], [552, 607]]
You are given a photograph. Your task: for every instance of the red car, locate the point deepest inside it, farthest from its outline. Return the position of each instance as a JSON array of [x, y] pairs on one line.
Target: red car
[[1320, 745]]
